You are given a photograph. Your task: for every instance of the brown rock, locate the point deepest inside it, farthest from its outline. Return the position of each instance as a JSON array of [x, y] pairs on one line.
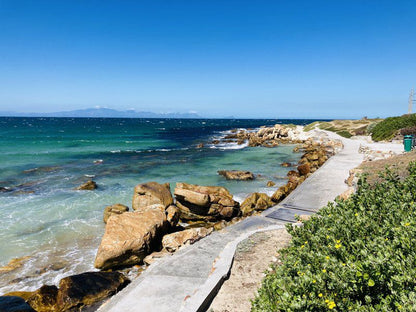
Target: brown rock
[[293, 173], [129, 237], [209, 203], [200, 145], [280, 194], [192, 197], [172, 215], [286, 164], [151, 193], [237, 175], [88, 288], [174, 241], [155, 255], [304, 169], [113, 210], [257, 201], [87, 186], [270, 184]]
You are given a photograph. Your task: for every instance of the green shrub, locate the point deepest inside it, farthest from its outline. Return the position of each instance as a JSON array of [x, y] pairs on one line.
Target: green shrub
[[311, 126], [355, 255], [387, 129], [344, 133]]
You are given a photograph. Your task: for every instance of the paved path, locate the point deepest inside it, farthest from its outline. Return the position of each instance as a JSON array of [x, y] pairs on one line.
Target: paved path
[[189, 279]]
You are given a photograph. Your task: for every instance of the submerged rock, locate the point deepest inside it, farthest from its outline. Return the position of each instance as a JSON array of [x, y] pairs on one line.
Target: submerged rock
[[270, 184], [174, 241], [87, 186], [151, 193], [236, 175], [115, 209], [10, 303], [14, 264], [209, 203], [131, 236], [74, 292]]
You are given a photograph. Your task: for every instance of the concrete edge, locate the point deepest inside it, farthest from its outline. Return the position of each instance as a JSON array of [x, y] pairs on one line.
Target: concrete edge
[[220, 271]]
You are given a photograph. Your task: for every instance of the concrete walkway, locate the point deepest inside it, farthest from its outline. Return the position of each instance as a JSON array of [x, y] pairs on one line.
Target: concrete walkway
[[189, 279]]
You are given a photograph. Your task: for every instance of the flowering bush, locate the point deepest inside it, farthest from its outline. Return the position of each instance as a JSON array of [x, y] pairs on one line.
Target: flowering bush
[[357, 255]]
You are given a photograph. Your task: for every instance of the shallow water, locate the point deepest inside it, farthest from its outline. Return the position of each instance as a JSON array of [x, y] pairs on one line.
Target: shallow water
[[42, 160]]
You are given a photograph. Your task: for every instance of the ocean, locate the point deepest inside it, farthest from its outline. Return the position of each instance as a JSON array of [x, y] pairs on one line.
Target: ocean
[[42, 160]]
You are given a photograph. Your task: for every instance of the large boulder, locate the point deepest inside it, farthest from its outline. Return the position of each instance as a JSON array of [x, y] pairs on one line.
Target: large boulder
[[151, 193], [237, 175], [131, 236], [209, 203], [88, 288], [172, 242], [256, 202], [115, 209]]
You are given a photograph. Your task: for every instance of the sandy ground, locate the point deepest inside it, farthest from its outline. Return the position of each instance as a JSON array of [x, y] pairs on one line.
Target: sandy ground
[[252, 258]]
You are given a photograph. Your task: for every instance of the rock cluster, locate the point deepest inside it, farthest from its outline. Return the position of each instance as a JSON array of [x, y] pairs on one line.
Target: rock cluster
[[74, 292], [210, 203], [265, 136], [131, 236]]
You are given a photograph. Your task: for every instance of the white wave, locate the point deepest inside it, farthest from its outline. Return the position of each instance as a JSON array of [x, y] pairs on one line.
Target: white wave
[[229, 146]]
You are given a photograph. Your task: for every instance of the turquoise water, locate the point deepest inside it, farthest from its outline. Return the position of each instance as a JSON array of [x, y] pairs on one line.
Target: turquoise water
[[42, 160]]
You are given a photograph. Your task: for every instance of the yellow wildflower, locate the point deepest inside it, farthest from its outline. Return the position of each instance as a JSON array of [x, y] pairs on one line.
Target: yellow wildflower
[[356, 214], [407, 224], [320, 295], [327, 257], [331, 305], [314, 281], [338, 246], [324, 270], [302, 246]]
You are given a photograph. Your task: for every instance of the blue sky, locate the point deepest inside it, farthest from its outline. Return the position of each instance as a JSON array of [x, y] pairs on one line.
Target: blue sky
[[274, 59]]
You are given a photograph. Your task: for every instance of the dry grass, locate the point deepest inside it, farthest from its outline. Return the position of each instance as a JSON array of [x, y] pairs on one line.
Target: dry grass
[[398, 164], [345, 128]]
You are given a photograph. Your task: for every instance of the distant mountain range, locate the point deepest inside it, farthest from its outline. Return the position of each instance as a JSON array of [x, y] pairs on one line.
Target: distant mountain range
[[102, 113]]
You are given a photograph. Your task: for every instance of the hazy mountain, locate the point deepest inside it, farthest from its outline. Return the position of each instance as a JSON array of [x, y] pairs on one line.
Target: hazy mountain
[[102, 113]]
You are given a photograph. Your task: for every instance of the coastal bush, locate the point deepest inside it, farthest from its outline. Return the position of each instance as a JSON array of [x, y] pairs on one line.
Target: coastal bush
[[387, 129], [355, 255], [344, 133]]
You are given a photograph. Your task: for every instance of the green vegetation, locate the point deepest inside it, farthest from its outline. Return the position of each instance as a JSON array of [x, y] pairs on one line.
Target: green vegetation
[[344, 133], [389, 127], [345, 128], [357, 255]]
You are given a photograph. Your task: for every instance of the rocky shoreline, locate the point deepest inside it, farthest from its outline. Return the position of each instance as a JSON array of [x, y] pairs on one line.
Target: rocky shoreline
[[161, 222]]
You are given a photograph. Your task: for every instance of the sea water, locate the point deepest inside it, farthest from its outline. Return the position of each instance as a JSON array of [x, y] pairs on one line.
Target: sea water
[[43, 160]]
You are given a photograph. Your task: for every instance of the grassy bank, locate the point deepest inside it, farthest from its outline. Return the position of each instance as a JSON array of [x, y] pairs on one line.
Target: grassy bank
[[389, 127], [358, 255], [345, 128]]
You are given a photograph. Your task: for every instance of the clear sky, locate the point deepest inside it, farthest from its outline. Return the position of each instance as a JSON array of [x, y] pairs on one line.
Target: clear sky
[[275, 59]]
